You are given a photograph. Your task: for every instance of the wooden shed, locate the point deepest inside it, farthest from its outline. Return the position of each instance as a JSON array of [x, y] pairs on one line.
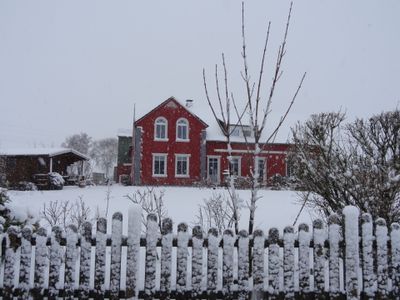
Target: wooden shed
[[23, 164]]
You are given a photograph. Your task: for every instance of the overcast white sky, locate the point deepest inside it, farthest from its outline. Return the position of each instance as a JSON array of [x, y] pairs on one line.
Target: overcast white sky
[[79, 66]]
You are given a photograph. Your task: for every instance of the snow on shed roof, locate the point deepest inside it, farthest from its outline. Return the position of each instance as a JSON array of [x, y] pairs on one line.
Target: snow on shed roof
[[40, 151]]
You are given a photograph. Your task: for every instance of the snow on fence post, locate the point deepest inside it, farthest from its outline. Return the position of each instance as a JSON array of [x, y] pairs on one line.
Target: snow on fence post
[[25, 262], [288, 262], [274, 263], [133, 250], [41, 261], [84, 272], [368, 256], [197, 260], [351, 214], [334, 251], [10, 261], [70, 261], [181, 258], [151, 256], [227, 263], [304, 258], [243, 264], [212, 260], [100, 257], [319, 256], [395, 239], [381, 233], [166, 258], [116, 242], [258, 264], [56, 256]]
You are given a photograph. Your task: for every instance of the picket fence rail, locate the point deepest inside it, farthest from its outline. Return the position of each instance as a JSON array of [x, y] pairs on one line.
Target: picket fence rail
[[331, 261]]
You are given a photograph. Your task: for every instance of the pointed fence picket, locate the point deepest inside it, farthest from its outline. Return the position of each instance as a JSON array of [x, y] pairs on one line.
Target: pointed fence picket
[[295, 265]]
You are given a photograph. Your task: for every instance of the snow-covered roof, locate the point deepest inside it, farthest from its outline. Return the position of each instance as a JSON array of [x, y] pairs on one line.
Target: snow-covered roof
[[40, 151], [124, 132]]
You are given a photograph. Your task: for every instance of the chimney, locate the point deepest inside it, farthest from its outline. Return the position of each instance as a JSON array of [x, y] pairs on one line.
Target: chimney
[[189, 103]]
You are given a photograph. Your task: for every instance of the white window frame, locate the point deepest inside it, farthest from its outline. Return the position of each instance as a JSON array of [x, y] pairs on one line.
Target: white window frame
[[166, 129], [187, 157], [165, 164], [187, 130], [239, 158], [218, 157]]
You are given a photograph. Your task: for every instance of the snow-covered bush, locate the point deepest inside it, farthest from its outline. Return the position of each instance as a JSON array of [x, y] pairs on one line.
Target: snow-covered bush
[[13, 216], [56, 181], [350, 164], [27, 186]]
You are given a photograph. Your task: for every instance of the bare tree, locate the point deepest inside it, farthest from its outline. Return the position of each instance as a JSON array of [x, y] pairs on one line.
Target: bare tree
[[80, 142], [104, 153], [257, 107]]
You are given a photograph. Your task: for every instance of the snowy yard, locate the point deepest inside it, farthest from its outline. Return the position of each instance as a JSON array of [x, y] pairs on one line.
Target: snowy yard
[[275, 208]]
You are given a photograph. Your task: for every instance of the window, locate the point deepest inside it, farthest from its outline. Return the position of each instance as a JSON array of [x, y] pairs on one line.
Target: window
[[182, 130], [160, 129], [159, 165], [235, 166], [213, 169], [261, 169], [182, 165]]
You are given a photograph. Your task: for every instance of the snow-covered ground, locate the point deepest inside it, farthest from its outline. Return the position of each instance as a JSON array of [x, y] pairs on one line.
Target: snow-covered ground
[[275, 208]]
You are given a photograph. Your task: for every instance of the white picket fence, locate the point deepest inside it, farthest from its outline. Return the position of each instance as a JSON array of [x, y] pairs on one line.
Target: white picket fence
[[310, 263]]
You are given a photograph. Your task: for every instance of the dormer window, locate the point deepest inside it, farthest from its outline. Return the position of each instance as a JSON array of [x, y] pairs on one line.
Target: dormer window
[[182, 130], [161, 129]]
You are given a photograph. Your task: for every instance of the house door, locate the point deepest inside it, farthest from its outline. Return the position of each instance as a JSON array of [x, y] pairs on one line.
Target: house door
[[213, 170]]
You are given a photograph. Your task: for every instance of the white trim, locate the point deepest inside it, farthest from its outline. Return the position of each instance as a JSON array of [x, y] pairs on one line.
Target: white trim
[[165, 155], [218, 157], [166, 129], [187, 130], [187, 156], [250, 151]]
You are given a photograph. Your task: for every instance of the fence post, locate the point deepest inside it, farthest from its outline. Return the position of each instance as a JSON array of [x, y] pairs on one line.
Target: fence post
[[288, 262], [70, 261], [181, 259], [351, 214], [319, 256], [100, 257], [381, 233], [197, 261], [395, 239], [41, 262], [9, 263], [212, 260], [116, 241], [56, 255], [334, 251], [25, 262], [258, 264], [227, 263], [368, 256], [304, 259], [274, 263], [166, 262], [86, 248], [243, 264], [133, 250], [151, 255]]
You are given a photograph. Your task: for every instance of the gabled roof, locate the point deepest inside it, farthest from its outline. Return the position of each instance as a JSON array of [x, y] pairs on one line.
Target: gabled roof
[[177, 103], [40, 151]]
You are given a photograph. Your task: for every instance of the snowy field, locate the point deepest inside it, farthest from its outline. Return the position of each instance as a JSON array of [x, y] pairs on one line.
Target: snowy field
[[275, 208]]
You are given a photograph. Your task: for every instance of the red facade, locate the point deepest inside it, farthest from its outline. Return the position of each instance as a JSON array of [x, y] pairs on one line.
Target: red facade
[[172, 149]]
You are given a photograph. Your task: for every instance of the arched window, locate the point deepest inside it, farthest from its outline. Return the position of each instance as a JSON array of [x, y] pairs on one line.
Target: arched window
[[182, 130], [160, 129]]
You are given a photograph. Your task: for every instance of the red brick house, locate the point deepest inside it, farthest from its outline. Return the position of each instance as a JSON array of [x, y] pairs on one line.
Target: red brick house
[[173, 146]]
